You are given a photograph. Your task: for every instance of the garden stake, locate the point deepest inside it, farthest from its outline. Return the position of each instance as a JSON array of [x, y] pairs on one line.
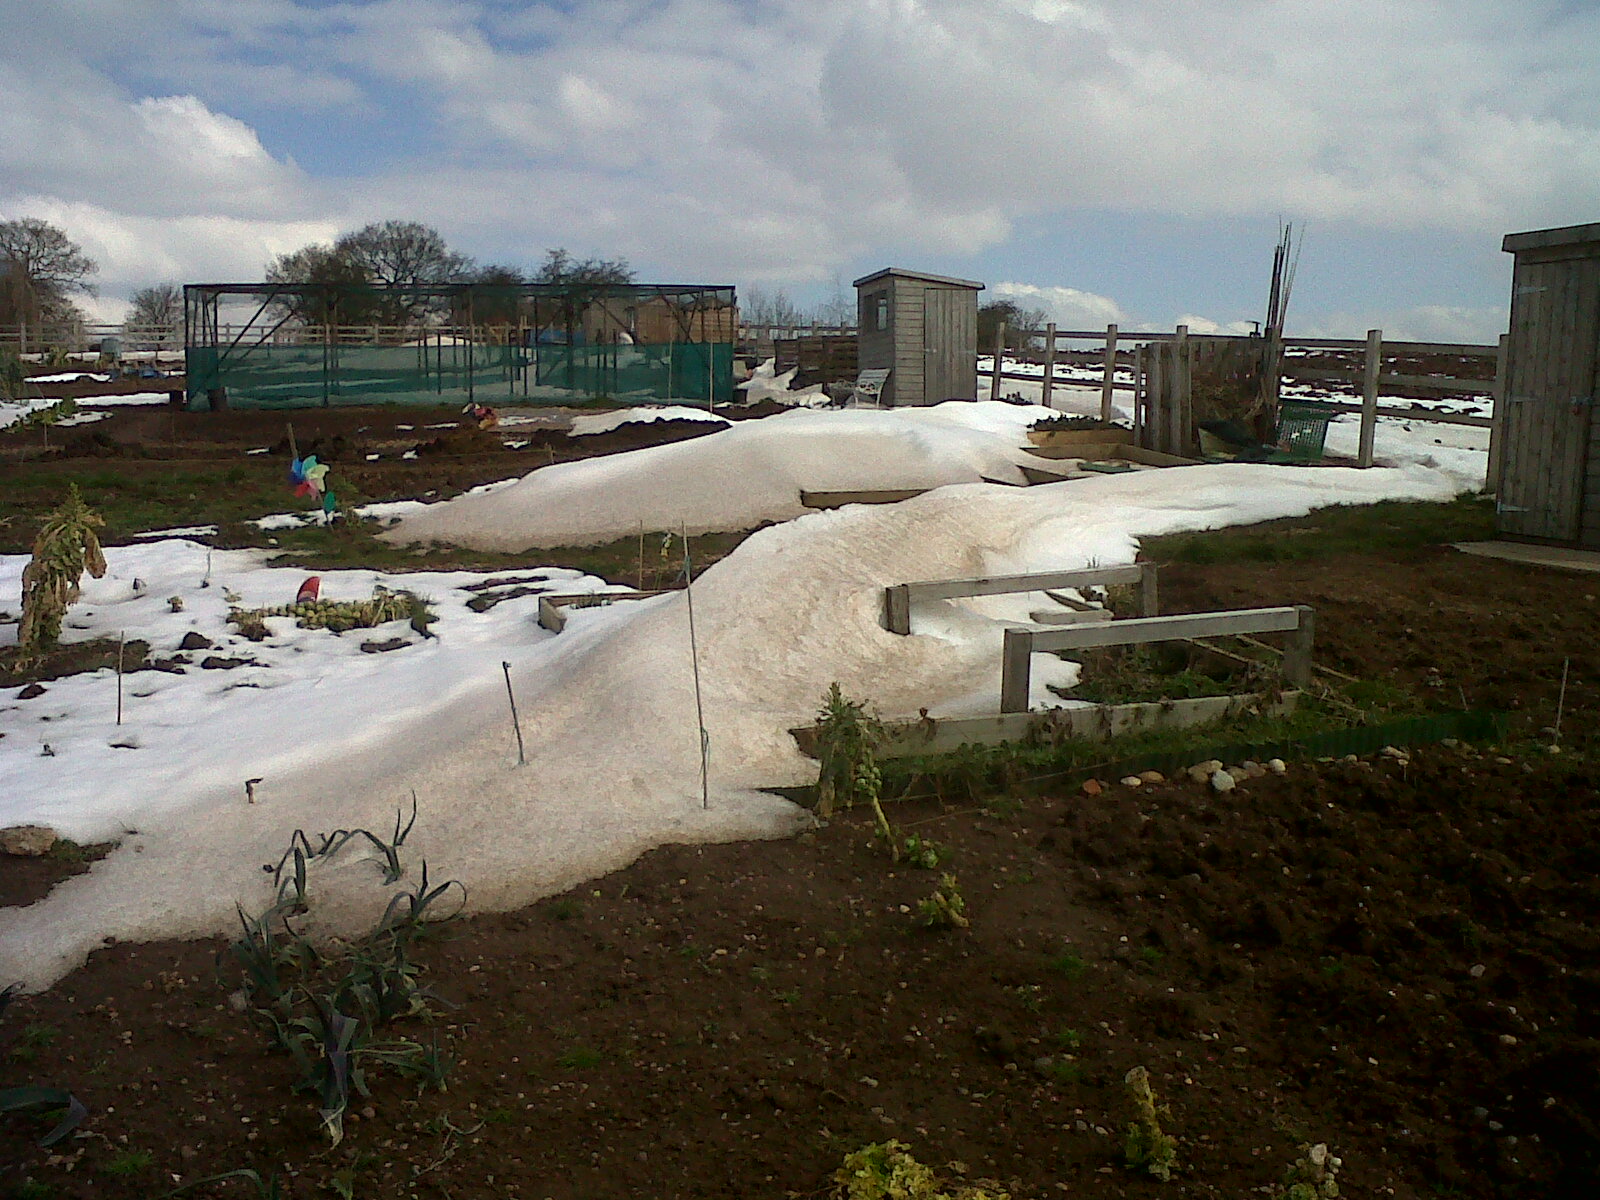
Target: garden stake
[[293, 450], [694, 658], [123, 637], [1561, 700], [515, 723]]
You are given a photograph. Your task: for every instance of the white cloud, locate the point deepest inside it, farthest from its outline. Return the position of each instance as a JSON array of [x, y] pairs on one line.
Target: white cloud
[[1068, 307], [788, 140], [134, 250], [1199, 324], [1423, 323]]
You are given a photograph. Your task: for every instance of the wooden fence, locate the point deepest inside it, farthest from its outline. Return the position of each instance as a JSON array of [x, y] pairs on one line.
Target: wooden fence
[[86, 338], [1022, 644], [898, 598], [1367, 366]]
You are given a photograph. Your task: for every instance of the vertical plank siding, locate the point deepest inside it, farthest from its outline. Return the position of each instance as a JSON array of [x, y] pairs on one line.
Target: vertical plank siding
[[1550, 460]]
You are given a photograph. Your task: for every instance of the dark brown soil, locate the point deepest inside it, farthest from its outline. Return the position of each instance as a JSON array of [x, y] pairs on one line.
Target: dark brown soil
[[1396, 956], [70, 658]]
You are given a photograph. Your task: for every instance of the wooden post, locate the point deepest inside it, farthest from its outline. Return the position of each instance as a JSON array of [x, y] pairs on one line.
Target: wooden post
[[1156, 397], [1109, 373], [1297, 656], [1178, 395], [1015, 667], [897, 608], [1369, 395], [1497, 427], [1139, 398], [999, 357], [1149, 601], [1049, 364]]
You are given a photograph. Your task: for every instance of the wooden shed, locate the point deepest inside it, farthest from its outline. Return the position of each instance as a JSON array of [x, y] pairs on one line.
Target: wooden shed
[[1549, 485], [924, 328]]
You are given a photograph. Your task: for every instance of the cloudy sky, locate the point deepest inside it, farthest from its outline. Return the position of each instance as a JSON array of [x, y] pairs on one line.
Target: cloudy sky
[[1102, 160]]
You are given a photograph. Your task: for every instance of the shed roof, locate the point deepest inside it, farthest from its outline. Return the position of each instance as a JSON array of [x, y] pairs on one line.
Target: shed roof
[[905, 274], [1539, 239]]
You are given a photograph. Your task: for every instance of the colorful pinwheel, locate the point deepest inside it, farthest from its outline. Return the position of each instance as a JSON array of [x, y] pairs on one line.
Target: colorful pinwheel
[[310, 479]]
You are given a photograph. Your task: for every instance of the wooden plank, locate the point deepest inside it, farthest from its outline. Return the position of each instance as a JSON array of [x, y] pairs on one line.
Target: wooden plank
[[1183, 438], [1113, 452], [863, 496], [1069, 616], [1038, 475], [933, 735], [1049, 364], [1108, 372], [1369, 396], [999, 360], [897, 609], [1015, 666], [1155, 419], [1021, 644], [1497, 427], [1438, 383], [1140, 630], [1149, 591], [1424, 415], [1464, 349], [551, 603], [1038, 581]]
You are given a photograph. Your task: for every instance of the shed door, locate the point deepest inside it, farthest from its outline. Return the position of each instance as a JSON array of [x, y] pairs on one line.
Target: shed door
[[1550, 384], [949, 338]]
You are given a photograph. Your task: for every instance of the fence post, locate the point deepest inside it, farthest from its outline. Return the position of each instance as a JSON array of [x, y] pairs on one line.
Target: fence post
[[1178, 397], [1015, 665], [1369, 395], [1049, 363], [999, 357], [897, 608], [1297, 655], [1156, 395], [1139, 397], [1497, 426], [1149, 600], [1110, 372]]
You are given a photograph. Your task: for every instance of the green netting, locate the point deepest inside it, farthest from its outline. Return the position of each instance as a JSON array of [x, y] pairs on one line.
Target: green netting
[[277, 376]]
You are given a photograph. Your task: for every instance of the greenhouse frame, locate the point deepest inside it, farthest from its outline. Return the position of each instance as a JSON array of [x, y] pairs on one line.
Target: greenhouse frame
[[272, 345]]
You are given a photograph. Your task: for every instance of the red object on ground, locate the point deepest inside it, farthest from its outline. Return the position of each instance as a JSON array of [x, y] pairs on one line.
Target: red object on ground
[[309, 590]]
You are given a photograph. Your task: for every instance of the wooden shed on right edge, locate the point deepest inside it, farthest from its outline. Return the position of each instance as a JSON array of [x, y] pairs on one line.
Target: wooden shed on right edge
[[1549, 485]]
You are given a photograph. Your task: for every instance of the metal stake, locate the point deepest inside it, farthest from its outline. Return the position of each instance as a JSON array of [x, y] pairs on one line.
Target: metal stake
[[515, 723]]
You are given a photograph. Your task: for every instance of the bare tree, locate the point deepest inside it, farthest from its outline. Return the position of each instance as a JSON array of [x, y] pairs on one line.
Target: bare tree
[[405, 253], [40, 268], [561, 267], [157, 308], [1018, 321], [383, 254], [761, 307]]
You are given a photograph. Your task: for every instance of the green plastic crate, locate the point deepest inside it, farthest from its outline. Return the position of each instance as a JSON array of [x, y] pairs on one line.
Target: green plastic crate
[[1303, 429]]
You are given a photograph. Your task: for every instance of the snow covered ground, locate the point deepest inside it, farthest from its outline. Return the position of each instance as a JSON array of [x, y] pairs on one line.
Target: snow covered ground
[[10, 413], [339, 738]]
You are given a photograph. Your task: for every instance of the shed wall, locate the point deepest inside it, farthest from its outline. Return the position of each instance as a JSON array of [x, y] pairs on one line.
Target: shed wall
[[1550, 482]]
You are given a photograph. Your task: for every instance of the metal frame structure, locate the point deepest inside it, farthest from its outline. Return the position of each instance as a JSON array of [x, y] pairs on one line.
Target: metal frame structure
[[454, 328]]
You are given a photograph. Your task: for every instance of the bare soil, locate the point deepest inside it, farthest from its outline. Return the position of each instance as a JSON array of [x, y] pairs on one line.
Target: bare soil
[[1394, 955]]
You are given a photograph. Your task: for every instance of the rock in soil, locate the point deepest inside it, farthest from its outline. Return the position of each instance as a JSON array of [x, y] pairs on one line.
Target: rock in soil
[[393, 643], [28, 841]]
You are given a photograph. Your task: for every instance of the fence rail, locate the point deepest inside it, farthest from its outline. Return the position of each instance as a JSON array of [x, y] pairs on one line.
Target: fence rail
[[1022, 644]]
